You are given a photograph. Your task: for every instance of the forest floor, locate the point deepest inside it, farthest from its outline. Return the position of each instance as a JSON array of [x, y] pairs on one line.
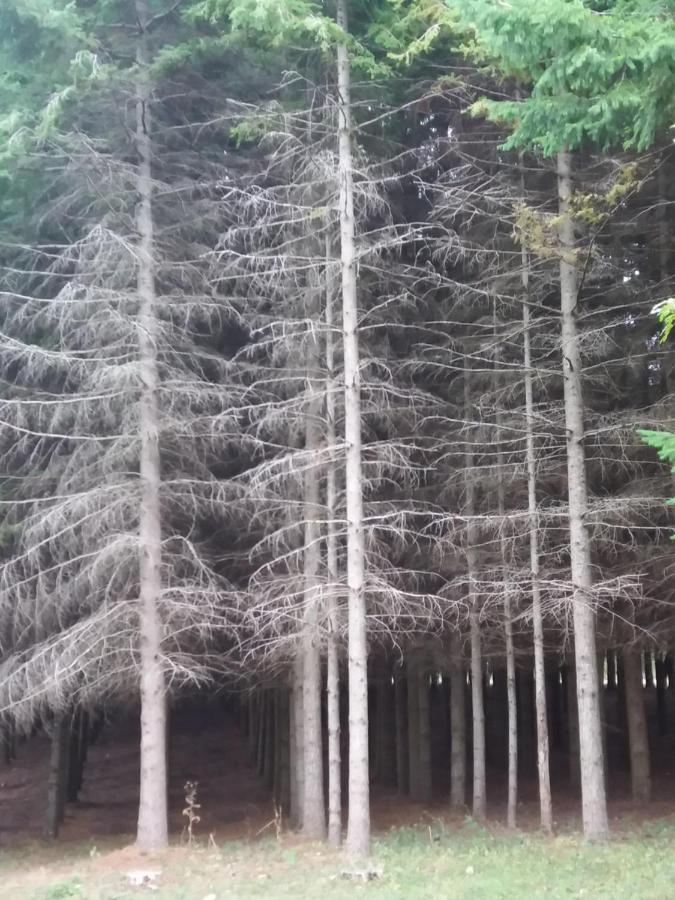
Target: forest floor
[[464, 863], [418, 852]]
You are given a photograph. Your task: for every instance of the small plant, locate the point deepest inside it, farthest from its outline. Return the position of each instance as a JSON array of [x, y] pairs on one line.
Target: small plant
[[276, 822], [190, 811]]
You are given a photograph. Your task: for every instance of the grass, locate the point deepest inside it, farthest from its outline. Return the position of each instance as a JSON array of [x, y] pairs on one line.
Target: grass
[[432, 863]]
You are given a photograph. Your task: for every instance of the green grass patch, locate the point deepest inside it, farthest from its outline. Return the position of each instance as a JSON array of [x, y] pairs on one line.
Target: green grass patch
[[426, 863]]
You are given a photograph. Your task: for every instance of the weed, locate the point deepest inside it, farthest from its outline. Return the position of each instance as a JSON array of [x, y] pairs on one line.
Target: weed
[[190, 811]]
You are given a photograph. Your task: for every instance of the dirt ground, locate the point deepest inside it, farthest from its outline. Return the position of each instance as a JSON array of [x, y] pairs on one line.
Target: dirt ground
[[208, 747]]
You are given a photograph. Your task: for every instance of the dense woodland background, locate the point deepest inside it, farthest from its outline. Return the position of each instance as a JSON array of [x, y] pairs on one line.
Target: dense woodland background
[[328, 332]]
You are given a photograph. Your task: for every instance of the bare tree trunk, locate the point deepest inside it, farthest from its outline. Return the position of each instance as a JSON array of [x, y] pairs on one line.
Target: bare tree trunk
[[152, 831], [252, 723], [593, 796], [313, 814], [262, 732], [7, 731], [333, 662], [412, 677], [602, 697], [512, 707], [296, 742], [75, 760], [386, 727], [511, 700], [424, 732], [638, 739], [58, 774], [457, 725], [282, 749], [526, 715], [402, 764], [83, 746], [661, 704], [270, 739], [543, 763], [573, 725], [479, 807], [358, 825], [334, 756]]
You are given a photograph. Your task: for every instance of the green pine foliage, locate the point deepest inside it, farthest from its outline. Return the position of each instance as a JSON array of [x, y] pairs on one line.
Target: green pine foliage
[[599, 73], [298, 27]]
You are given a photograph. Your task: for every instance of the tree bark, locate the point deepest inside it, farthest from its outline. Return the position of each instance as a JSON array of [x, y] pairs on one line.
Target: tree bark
[[313, 814], [573, 725], [638, 739], [332, 656], [152, 831], [402, 764], [8, 745], [424, 732], [511, 700], [412, 677], [252, 723], [262, 733], [334, 754], [602, 696], [661, 705], [593, 796], [75, 760], [386, 726], [543, 762], [358, 824], [479, 807], [457, 726], [526, 714], [512, 803], [296, 744], [58, 774], [282, 780], [270, 742]]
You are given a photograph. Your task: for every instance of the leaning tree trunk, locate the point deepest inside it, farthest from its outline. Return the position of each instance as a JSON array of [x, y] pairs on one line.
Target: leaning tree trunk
[[313, 812], [457, 725], [152, 812], [543, 764], [593, 796], [358, 824], [477, 699], [333, 663], [638, 739]]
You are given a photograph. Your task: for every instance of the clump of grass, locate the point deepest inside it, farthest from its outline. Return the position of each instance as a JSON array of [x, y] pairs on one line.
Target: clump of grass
[[65, 890]]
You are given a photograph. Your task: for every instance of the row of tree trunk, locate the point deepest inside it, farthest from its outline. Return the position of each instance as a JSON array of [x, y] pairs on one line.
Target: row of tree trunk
[[407, 737], [71, 735]]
